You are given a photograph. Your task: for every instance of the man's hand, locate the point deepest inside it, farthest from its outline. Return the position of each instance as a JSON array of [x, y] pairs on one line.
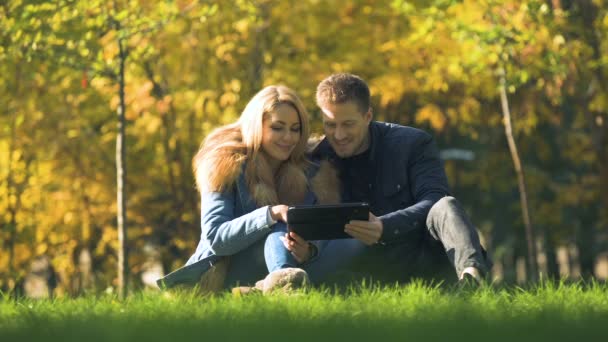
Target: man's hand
[[368, 232], [298, 247]]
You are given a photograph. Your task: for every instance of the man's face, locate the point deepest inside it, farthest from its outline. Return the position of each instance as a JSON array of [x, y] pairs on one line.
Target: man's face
[[346, 128]]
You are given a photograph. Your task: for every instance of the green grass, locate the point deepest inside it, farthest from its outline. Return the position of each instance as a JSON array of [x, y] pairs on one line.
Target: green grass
[[413, 312]]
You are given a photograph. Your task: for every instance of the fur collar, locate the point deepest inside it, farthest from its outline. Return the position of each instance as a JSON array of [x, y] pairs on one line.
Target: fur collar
[[326, 184], [222, 168]]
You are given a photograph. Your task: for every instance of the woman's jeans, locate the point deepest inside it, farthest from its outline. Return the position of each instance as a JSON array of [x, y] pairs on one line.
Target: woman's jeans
[[256, 261]]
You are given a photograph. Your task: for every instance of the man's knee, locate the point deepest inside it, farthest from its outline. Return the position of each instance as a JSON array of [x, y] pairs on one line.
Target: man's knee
[[446, 203], [442, 206]]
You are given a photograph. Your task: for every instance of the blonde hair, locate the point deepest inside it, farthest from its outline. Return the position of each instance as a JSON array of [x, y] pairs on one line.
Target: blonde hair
[[219, 160]]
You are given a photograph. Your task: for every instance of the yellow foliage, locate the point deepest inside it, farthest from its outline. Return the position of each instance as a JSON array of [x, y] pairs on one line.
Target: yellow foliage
[[180, 243], [468, 111], [68, 217], [390, 88], [444, 61], [23, 252], [228, 99], [108, 239], [432, 114], [110, 46], [41, 248]]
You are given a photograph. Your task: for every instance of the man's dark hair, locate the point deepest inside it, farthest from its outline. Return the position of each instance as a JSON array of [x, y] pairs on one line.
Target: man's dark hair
[[341, 88]]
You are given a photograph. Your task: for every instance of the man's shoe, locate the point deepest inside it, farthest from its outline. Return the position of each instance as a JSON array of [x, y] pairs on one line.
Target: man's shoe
[[285, 280], [470, 279]]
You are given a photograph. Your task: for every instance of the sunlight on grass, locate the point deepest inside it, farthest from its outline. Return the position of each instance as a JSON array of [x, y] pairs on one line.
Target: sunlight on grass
[[418, 310]]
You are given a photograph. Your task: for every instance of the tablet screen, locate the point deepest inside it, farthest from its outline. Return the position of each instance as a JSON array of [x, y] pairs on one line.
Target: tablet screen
[[325, 222]]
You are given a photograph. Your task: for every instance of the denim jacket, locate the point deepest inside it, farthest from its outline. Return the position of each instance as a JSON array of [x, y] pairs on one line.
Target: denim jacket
[[230, 222]]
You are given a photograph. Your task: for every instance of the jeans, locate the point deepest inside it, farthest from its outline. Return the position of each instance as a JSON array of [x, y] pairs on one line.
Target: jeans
[[448, 224], [267, 255], [275, 253], [333, 255], [247, 266], [447, 245]]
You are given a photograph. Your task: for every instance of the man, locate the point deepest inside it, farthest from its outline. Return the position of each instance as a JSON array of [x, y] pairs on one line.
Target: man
[[414, 225]]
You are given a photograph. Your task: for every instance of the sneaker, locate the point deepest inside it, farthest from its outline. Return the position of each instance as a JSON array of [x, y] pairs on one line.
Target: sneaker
[[244, 290], [248, 290], [470, 279], [285, 280]]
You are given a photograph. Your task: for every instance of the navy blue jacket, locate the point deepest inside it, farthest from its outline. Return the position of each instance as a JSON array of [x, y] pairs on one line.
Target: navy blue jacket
[[410, 177]]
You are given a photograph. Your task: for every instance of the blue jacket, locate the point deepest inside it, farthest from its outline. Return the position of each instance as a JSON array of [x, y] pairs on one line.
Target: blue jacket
[[410, 177], [230, 222]]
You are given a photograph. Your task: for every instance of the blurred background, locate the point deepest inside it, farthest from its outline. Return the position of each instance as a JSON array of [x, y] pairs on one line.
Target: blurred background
[[190, 66]]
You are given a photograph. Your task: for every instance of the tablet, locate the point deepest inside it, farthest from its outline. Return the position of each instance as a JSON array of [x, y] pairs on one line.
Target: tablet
[[325, 222]]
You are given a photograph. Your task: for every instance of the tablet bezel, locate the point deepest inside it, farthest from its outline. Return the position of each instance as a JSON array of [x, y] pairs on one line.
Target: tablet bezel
[[325, 221]]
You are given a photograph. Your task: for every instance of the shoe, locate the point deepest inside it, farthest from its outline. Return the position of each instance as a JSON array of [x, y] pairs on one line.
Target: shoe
[[285, 280], [244, 291], [470, 279], [248, 290]]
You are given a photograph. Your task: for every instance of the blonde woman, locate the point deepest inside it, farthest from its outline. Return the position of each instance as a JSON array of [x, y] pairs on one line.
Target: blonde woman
[[248, 173]]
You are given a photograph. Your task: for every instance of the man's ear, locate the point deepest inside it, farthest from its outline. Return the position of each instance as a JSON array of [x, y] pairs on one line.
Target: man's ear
[[369, 115]]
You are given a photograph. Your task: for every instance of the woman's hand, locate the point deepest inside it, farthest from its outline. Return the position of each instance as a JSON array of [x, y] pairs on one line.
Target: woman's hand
[[279, 212], [299, 248]]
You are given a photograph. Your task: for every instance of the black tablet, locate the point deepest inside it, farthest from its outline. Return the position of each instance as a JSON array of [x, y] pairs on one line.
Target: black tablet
[[325, 222]]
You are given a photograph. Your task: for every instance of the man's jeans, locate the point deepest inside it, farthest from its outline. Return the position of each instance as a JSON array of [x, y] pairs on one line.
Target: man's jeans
[[449, 225], [447, 245]]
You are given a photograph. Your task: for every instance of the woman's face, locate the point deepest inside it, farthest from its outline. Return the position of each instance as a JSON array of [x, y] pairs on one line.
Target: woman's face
[[281, 132]]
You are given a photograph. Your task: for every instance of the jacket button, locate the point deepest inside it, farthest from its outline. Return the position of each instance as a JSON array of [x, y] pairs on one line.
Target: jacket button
[[415, 223], [398, 186], [396, 232]]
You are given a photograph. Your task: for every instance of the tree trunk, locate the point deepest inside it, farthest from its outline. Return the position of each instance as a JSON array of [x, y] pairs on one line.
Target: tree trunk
[[257, 57], [13, 208], [598, 121], [552, 265], [585, 242], [530, 236], [12, 223], [168, 119], [121, 175]]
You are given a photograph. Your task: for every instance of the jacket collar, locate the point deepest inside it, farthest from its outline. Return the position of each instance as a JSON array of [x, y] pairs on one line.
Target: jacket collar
[[390, 170], [374, 133]]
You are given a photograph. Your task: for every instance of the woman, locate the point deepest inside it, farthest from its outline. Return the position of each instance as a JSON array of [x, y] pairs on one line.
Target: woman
[[248, 173]]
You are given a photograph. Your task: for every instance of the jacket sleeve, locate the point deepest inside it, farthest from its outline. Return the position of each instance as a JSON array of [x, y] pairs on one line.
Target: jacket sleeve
[[226, 233], [428, 184]]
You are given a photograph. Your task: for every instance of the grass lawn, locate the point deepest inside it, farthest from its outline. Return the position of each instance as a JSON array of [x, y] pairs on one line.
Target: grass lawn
[[573, 312]]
